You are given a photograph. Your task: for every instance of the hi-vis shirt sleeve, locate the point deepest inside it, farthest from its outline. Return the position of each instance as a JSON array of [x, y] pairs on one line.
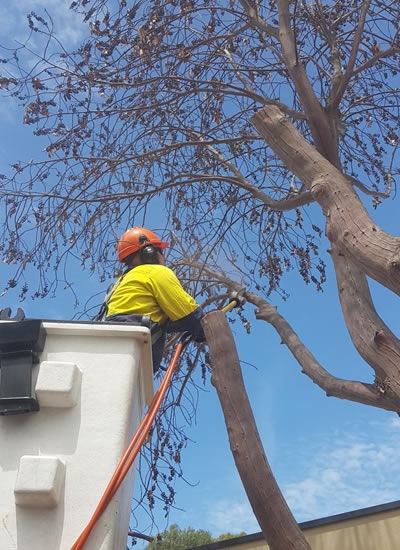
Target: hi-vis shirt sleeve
[[171, 297]]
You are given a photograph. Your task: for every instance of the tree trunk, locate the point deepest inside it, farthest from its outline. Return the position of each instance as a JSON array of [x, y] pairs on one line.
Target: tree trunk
[[273, 515]]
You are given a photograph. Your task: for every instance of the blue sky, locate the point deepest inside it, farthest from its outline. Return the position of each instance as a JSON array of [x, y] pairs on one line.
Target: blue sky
[[329, 455]]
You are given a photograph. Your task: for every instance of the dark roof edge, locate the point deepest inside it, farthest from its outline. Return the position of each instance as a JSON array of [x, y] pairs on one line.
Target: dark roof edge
[[346, 516], [378, 509]]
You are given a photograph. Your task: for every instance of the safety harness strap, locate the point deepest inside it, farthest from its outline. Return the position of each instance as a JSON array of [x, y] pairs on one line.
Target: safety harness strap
[[102, 314]]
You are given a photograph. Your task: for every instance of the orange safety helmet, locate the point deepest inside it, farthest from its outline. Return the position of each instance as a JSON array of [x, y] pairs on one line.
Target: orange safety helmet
[[136, 238]]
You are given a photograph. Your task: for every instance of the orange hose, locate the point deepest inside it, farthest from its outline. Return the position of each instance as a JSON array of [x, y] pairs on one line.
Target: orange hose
[[129, 456]]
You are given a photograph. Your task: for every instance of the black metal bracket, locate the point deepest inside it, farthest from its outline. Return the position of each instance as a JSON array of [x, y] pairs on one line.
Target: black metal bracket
[[5, 315], [20, 342]]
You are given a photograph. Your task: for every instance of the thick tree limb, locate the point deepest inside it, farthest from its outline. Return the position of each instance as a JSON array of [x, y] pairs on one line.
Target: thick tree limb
[[323, 133], [359, 392], [273, 515], [374, 341], [297, 115], [348, 224], [250, 7]]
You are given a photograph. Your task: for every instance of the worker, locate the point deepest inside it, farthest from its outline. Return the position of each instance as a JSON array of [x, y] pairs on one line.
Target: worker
[[148, 287]]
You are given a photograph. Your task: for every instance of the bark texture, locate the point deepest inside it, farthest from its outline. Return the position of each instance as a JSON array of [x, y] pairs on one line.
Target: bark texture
[[370, 333], [359, 392], [273, 514], [348, 224], [373, 339], [359, 249], [323, 131]]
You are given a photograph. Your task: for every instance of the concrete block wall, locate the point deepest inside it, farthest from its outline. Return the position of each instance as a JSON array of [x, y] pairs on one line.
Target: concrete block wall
[[92, 383]]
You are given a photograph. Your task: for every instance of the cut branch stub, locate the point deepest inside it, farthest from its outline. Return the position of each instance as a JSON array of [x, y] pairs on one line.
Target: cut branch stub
[[276, 520]]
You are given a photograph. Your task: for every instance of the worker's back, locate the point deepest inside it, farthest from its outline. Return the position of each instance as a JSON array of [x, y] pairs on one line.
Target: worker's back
[[151, 289]]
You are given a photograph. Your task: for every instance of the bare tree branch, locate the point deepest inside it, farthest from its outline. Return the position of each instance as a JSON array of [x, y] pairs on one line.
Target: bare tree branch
[[374, 59], [296, 115], [362, 239], [337, 96], [360, 392], [137, 535], [333, 46], [288, 203], [323, 135], [250, 7], [285, 204]]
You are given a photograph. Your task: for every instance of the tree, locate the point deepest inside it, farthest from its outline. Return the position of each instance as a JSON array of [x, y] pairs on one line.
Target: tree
[[227, 536], [180, 539], [176, 538], [161, 103]]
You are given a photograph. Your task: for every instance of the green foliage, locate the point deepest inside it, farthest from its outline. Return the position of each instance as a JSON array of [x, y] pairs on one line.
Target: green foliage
[[181, 539], [226, 536]]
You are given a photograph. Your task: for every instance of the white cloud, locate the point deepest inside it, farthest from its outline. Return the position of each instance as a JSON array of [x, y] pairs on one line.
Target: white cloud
[[355, 471], [68, 25], [339, 473], [231, 516], [14, 31]]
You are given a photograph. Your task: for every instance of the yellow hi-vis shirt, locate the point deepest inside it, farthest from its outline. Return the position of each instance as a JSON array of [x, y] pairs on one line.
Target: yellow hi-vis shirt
[[153, 290]]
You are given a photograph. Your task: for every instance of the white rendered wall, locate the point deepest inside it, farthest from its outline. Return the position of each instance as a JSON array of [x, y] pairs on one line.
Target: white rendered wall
[[92, 383]]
